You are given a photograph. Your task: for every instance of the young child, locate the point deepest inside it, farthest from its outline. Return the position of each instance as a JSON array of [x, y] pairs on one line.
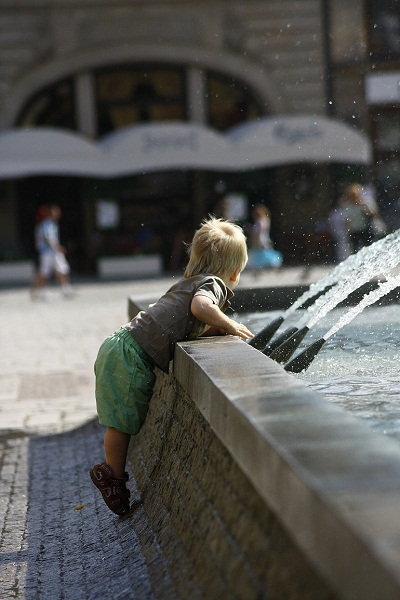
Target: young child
[[125, 364]]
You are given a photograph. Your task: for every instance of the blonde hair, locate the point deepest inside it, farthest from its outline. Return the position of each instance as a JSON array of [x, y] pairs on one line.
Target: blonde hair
[[218, 247]]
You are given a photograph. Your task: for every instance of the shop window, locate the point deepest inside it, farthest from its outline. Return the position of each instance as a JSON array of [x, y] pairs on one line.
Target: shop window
[[229, 102], [53, 106], [135, 95]]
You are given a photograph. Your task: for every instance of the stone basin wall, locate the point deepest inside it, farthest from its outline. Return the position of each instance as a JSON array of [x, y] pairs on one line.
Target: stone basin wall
[[257, 487]]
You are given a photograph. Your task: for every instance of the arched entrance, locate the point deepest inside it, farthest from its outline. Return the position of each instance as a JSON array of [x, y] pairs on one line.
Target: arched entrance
[[109, 94]]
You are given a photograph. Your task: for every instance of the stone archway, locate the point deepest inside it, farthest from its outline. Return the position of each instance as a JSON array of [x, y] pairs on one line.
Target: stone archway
[[196, 61], [260, 79]]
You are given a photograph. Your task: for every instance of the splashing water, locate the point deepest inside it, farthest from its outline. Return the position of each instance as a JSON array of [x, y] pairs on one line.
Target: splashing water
[[378, 259], [383, 289], [352, 265]]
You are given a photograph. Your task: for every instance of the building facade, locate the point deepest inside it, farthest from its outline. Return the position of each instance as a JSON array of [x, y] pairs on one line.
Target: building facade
[[95, 66]]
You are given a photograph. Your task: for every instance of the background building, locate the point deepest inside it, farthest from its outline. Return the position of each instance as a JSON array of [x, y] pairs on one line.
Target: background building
[[96, 66]]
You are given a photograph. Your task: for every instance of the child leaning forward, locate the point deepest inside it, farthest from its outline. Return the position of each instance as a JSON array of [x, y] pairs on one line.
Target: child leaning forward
[[125, 364]]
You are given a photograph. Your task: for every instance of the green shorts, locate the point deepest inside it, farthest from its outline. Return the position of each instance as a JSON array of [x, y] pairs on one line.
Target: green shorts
[[124, 382]]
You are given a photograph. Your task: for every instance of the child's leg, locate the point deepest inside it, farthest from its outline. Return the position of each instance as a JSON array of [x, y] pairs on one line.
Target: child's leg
[[110, 477], [116, 446]]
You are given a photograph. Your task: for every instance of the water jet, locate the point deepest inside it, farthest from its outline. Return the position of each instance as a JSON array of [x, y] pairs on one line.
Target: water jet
[[303, 360]]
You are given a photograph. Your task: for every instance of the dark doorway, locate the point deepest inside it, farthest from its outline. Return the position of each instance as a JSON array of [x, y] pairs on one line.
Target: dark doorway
[[153, 215]]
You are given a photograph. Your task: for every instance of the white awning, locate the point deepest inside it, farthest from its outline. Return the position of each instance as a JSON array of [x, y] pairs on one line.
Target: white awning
[[166, 146], [274, 141], [144, 148], [47, 151]]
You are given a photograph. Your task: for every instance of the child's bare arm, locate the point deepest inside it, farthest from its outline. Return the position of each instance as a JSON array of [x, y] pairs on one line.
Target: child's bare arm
[[207, 312], [211, 331]]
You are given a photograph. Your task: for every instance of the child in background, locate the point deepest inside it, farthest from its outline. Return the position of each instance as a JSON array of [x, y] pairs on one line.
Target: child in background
[[125, 364], [262, 252]]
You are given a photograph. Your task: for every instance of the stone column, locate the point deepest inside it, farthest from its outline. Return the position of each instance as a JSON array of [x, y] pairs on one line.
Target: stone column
[[196, 87], [197, 111], [85, 104]]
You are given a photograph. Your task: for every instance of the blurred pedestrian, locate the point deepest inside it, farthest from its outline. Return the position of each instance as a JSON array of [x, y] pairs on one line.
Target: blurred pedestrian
[[262, 253], [41, 214], [51, 254], [359, 214], [378, 226]]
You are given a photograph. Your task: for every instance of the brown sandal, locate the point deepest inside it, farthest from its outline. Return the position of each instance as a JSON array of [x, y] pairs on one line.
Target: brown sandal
[[113, 489]]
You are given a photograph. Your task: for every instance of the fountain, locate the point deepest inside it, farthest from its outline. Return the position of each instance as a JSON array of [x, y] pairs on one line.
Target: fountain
[[358, 368], [331, 483], [378, 259], [304, 359], [346, 269]]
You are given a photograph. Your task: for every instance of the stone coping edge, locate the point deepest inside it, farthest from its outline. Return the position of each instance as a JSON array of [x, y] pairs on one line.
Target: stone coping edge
[[331, 481]]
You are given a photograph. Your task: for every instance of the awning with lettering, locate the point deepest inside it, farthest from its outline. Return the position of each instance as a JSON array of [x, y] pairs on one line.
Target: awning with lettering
[[274, 141], [167, 146], [160, 146]]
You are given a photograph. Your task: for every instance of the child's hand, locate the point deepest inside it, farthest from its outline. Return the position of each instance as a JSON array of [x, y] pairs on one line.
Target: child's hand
[[240, 330]]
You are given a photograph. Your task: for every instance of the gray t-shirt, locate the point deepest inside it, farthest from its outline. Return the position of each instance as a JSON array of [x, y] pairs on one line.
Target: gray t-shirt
[[170, 320]]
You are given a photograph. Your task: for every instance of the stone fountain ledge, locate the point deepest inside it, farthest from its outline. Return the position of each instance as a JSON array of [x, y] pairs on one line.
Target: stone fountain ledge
[[257, 487]]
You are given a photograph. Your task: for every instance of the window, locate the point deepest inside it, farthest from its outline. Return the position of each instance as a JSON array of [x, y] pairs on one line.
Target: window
[[129, 95], [52, 106], [229, 102]]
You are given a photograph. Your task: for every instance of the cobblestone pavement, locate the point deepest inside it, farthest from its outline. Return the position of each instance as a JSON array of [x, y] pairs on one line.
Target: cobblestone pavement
[[57, 538]]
